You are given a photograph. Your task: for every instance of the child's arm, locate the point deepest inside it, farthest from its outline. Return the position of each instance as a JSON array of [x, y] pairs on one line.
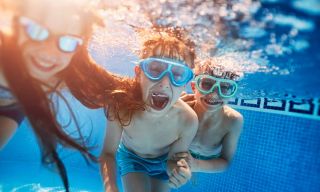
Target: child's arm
[[179, 171], [8, 128], [229, 146], [108, 163]]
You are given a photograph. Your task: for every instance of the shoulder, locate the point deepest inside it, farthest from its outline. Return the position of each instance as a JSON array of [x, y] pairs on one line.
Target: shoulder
[[187, 116], [233, 117], [186, 112]]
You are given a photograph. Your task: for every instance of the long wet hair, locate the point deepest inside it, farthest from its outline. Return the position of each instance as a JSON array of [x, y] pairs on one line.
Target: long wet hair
[[95, 87], [36, 105], [38, 108]]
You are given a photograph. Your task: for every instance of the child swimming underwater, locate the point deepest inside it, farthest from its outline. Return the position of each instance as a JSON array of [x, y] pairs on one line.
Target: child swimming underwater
[[220, 126], [142, 150], [35, 58]]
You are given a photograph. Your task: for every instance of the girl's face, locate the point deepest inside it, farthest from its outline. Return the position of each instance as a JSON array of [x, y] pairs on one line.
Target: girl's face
[[49, 36]]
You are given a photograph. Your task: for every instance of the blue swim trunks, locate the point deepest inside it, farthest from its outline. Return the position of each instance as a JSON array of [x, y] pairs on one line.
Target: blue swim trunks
[[202, 157], [129, 162]]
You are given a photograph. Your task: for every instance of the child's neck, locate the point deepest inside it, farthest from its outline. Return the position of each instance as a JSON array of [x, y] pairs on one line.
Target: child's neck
[[152, 116]]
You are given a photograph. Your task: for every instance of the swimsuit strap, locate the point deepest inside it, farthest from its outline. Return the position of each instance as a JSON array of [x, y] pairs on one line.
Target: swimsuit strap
[[5, 93], [13, 112]]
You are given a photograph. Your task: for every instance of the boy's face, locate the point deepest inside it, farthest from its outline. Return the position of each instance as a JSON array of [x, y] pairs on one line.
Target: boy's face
[[213, 86], [212, 92], [210, 102], [159, 95], [43, 56]]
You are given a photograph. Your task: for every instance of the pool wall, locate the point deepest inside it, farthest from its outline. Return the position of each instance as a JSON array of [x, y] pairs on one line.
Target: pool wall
[[279, 150]]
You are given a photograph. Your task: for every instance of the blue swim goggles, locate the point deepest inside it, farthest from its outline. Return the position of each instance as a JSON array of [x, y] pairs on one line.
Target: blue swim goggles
[[156, 68], [36, 32], [207, 84]]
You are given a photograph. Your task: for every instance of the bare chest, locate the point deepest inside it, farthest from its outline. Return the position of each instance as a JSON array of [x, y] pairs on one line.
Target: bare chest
[[151, 138], [210, 133]]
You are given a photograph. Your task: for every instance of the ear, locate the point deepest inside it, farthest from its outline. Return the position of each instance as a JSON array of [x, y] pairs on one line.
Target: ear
[[137, 70], [193, 86]]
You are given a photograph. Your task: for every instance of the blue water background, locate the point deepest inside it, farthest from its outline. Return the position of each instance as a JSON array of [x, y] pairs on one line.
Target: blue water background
[[275, 153]]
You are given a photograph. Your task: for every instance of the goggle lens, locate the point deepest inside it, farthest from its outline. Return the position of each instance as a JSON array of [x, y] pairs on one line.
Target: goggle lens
[[36, 32], [208, 84], [68, 43], [156, 68], [227, 89], [180, 74]]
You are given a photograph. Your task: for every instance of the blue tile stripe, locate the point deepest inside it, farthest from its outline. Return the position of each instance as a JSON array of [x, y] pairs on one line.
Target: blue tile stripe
[[306, 108]]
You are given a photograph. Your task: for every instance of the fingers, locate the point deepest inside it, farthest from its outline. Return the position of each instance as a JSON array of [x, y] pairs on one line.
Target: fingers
[[183, 93], [187, 97], [185, 172], [173, 181], [184, 155], [191, 103], [180, 176], [182, 163], [184, 169], [182, 172], [177, 179], [172, 184]]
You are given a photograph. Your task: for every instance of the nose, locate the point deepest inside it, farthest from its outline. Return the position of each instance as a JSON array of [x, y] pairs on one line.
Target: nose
[[51, 52], [51, 45], [165, 82], [214, 93]]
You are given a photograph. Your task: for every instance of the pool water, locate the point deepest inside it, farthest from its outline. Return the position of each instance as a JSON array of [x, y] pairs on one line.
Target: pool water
[[279, 149]]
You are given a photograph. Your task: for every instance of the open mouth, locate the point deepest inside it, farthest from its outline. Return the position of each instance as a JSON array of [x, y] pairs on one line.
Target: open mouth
[[212, 101], [44, 68], [159, 101]]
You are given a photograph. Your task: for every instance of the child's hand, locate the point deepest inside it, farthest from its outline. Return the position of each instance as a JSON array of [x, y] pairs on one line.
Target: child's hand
[[187, 156], [183, 93], [180, 174], [188, 98]]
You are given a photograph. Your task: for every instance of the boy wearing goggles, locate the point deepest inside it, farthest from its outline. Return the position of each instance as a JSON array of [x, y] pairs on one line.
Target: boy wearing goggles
[[143, 150], [219, 125]]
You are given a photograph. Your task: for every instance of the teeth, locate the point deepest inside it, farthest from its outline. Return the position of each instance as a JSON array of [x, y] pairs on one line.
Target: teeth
[[212, 101], [44, 63], [159, 100], [159, 95]]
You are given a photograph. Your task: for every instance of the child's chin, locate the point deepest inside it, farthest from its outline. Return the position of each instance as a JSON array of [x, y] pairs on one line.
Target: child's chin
[[156, 111], [212, 106]]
